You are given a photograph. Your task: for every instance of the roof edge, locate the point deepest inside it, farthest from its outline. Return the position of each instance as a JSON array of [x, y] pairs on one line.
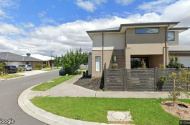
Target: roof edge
[[133, 24]]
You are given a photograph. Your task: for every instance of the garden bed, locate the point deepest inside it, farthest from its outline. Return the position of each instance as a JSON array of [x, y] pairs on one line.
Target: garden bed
[[89, 83], [180, 109]]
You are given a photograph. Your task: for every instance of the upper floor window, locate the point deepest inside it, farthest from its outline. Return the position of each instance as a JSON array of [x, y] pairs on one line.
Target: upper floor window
[[171, 36], [146, 30]]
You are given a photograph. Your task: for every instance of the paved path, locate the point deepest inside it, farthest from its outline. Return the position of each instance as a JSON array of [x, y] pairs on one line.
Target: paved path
[[10, 91], [69, 89]]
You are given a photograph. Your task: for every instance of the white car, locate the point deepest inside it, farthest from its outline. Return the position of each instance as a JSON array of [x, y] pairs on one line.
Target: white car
[[25, 67]]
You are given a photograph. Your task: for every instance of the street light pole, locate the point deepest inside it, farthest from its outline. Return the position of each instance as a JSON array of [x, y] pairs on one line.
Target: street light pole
[[51, 59]]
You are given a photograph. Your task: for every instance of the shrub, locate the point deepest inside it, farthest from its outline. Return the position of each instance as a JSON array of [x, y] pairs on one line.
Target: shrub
[[2, 69], [162, 80], [114, 66], [162, 66], [20, 70], [143, 64], [44, 66], [37, 65], [174, 63]]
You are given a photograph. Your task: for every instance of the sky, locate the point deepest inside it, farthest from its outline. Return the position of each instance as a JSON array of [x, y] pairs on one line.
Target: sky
[[41, 26]]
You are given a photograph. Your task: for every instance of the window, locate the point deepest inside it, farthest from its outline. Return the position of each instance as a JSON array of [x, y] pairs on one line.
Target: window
[[98, 63], [136, 62], [146, 30], [115, 58], [171, 36]]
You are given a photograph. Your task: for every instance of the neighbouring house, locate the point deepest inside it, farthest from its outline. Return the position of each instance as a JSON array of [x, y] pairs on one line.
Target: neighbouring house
[[14, 59], [131, 43], [48, 61]]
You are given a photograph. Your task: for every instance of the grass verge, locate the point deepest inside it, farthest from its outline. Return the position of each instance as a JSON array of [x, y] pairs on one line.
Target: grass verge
[[47, 85], [9, 76], [143, 111]]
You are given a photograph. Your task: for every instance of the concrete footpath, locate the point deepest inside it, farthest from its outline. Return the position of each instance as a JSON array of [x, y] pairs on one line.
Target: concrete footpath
[[70, 90]]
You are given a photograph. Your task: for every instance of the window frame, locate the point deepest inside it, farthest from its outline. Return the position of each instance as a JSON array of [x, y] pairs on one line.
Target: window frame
[[99, 64], [148, 28], [173, 33]]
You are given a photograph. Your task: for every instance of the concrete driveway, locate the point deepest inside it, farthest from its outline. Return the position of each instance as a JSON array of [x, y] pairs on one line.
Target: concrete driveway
[[10, 91], [33, 72]]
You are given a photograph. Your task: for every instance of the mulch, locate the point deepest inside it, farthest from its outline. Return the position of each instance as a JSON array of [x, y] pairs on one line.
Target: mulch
[[89, 83], [176, 110]]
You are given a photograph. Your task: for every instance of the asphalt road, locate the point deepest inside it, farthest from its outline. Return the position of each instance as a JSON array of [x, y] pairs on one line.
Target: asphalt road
[[10, 90]]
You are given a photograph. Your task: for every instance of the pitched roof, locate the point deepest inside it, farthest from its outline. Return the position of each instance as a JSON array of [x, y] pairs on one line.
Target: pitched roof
[[7, 56]]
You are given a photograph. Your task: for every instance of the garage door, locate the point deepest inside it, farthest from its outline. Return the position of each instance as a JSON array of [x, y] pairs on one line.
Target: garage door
[[15, 63], [184, 60]]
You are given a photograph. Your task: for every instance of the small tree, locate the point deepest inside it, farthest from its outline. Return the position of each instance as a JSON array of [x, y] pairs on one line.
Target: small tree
[[84, 58], [71, 61], [180, 79], [57, 61]]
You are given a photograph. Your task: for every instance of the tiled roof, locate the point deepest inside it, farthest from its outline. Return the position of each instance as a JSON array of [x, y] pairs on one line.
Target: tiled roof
[[17, 58]]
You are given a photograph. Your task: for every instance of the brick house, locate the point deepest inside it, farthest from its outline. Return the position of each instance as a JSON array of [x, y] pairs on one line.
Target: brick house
[[132, 43]]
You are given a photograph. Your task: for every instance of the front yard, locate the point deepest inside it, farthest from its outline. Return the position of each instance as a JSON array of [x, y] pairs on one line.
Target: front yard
[[9, 76], [143, 111]]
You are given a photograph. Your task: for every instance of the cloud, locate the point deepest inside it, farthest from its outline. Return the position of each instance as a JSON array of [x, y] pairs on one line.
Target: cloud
[[28, 25], [62, 37], [86, 5], [155, 6], [89, 5], [124, 2], [42, 14], [2, 13], [178, 11], [7, 4], [8, 29]]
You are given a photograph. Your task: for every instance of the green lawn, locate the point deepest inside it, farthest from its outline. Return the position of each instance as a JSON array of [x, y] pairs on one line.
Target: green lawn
[[9, 76], [54, 82], [143, 111]]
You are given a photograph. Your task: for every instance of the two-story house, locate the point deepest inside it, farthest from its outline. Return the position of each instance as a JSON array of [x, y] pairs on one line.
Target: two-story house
[[132, 43]]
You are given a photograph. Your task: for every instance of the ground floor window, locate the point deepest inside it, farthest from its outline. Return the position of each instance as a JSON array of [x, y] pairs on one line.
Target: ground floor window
[[136, 62], [98, 63]]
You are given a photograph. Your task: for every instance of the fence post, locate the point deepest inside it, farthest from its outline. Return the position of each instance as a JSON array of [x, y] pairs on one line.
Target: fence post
[[155, 77], [105, 77], [124, 79]]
